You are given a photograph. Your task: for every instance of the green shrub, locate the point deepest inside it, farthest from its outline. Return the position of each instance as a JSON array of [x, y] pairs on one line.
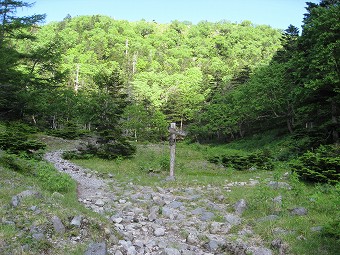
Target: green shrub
[[15, 139], [76, 155], [253, 161], [69, 131], [116, 148], [16, 163], [322, 165]]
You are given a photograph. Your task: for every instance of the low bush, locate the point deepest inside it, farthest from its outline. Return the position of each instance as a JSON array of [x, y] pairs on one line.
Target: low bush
[[105, 146], [15, 138], [69, 131], [322, 165], [46, 175], [252, 161]]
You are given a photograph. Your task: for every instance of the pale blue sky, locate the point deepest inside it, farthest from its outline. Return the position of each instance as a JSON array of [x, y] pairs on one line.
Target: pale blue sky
[[276, 13]]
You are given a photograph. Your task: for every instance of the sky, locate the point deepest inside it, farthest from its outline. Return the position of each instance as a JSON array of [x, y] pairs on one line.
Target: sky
[[275, 13]]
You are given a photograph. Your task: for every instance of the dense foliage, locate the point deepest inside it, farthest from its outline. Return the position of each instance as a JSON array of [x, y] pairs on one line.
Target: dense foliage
[[322, 165]]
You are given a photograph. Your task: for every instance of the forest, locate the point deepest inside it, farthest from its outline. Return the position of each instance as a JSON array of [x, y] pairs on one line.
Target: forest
[[126, 81]]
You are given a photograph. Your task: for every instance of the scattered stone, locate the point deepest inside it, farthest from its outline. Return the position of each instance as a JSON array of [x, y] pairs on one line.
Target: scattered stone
[[271, 217], [213, 245], [281, 231], [116, 219], [58, 225], [175, 204], [192, 239], [206, 216], [278, 200], [96, 249], [299, 211], [76, 221], [29, 193], [159, 232], [171, 251], [240, 206], [232, 219], [99, 202], [198, 211], [15, 201], [316, 229], [38, 236], [279, 185], [215, 227], [131, 250], [253, 182], [258, 251], [281, 246]]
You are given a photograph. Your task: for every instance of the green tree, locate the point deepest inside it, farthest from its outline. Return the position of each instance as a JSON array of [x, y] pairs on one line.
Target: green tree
[[12, 79], [317, 65]]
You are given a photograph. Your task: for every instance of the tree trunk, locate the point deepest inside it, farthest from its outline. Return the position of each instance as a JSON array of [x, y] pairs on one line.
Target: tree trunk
[[289, 125], [335, 132]]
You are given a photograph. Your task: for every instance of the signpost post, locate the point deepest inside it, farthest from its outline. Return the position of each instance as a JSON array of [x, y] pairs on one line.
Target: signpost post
[[172, 142]]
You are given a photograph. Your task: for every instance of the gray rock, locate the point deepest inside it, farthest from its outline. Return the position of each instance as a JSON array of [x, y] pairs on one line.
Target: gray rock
[[118, 252], [175, 204], [131, 250], [232, 219], [240, 206], [38, 236], [159, 232], [207, 216], [152, 216], [299, 211], [279, 185], [268, 218], [171, 251], [116, 219], [76, 221], [96, 249], [33, 208], [58, 225], [278, 200], [192, 239], [29, 193], [218, 227], [316, 229], [281, 231], [15, 201], [168, 212], [198, 211], [258, 251], [99, 202], [213, 245], [37, 232]]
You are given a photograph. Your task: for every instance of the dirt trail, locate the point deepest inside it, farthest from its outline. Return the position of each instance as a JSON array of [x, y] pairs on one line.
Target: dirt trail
[[162, 221]]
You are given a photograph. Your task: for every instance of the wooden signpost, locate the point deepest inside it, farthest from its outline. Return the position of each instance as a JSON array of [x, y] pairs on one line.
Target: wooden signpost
[[172, 142]]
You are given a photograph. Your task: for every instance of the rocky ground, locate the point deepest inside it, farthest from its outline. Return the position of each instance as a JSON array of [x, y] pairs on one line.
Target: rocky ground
[[147, 220]]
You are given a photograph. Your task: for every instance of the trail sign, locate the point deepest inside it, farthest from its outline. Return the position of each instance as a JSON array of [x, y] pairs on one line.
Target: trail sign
[[172, 142]]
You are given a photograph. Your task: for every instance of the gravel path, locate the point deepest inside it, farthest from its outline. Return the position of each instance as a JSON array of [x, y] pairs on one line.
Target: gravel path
[[163, 221]]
